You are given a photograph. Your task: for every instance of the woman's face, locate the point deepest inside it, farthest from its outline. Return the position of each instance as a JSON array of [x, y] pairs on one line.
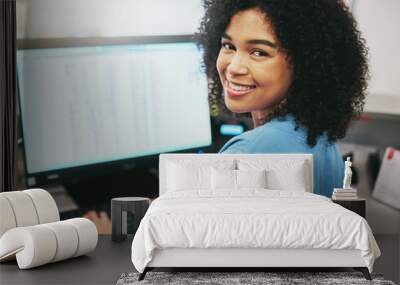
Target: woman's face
[[253, 71]]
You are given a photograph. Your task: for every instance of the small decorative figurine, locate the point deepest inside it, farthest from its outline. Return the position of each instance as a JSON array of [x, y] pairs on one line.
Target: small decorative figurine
[[347, 192], [347, 174]]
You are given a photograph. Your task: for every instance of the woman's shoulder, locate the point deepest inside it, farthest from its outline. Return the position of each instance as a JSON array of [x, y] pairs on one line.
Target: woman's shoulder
[[279, 129], [278, 135], [265, 138]]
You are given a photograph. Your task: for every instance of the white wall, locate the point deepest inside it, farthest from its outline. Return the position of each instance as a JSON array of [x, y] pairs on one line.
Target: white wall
[[379, 22], [106, 18]]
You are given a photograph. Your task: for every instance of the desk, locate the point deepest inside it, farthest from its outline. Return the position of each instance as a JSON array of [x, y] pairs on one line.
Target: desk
[[102, 266]]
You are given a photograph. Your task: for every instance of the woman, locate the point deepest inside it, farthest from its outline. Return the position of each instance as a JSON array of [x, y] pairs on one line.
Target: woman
[[299, 67]]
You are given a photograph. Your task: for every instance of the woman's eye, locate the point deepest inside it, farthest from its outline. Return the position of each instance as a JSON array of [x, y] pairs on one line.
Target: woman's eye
[[226, 45], [259, 53]]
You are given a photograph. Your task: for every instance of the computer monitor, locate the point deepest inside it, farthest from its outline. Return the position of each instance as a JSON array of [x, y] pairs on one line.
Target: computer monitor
[[90, 104]]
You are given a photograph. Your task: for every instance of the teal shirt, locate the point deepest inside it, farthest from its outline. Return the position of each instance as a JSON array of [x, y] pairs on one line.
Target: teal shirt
[[279, 136]]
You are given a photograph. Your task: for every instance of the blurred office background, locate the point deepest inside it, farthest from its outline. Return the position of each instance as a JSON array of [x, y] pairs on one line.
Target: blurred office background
[[57, 24]]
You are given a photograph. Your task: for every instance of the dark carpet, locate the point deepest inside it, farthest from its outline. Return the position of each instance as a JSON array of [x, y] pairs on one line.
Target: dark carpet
[[230, 278]]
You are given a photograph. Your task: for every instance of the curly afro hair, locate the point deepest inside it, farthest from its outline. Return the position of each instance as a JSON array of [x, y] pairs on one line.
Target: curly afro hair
[[321, 40]]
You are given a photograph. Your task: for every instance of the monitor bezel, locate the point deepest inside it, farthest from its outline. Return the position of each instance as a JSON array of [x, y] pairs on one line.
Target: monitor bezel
[[76, 173]]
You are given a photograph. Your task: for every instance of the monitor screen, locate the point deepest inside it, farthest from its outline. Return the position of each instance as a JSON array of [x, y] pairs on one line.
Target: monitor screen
[[86, 105]]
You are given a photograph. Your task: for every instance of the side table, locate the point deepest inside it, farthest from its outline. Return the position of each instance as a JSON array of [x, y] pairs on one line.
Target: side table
[[119, 209], [356, 205]]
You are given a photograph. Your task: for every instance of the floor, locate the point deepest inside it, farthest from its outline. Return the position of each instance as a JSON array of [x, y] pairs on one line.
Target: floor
[[389, 262]]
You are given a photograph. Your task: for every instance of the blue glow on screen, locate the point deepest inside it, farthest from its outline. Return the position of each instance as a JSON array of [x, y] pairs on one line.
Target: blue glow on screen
[[231, 130]]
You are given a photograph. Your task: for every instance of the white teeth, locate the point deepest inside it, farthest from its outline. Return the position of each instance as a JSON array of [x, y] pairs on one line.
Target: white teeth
[[239, 87]]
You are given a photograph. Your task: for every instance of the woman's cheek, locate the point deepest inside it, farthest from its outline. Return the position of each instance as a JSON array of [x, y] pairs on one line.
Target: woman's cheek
[[220, 64]]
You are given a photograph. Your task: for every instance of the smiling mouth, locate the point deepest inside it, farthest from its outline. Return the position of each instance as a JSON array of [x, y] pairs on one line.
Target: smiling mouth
[[235, 90]]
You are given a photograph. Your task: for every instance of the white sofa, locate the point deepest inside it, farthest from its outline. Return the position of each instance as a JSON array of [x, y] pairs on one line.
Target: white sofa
[[31, 231]]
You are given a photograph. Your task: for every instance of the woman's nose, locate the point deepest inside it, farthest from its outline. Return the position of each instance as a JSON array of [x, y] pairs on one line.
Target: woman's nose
[[237, 66]]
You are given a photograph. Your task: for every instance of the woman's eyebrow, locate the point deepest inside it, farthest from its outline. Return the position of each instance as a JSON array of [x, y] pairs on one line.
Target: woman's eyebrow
[[254, 41]]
